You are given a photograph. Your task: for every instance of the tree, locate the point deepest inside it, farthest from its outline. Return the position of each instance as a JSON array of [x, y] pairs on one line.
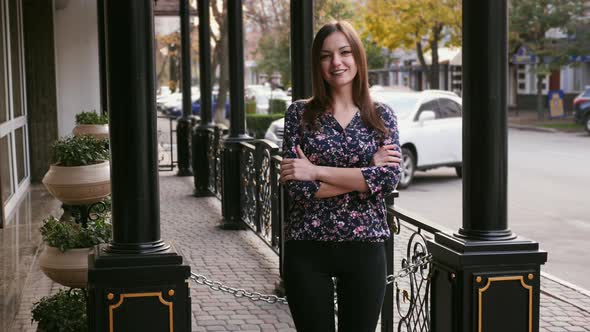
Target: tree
[[531, 24], [419, 24], [221, 58]]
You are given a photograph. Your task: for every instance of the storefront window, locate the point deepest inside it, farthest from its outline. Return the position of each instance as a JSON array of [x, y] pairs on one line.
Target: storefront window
[[20, 154], [5, 167]]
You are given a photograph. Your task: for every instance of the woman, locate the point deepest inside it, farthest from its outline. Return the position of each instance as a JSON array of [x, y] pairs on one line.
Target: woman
[[340, 159]]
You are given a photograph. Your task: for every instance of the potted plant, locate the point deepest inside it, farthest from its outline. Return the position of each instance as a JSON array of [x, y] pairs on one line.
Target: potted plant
[[65, 257], [92, 123], [81, 173], [64, 311]]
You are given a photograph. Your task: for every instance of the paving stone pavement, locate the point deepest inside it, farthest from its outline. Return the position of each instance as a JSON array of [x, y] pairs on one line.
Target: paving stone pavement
[[240, 259]]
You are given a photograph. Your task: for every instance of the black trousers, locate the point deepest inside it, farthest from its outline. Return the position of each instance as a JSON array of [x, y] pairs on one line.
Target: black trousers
[[360, 271]]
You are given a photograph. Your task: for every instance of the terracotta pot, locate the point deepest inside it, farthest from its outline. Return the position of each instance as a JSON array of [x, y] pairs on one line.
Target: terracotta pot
[[98, 131], [69, 268], [78, 185]]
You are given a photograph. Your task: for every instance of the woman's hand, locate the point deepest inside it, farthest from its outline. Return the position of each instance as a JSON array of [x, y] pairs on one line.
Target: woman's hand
[[300, 169], [387, 155]]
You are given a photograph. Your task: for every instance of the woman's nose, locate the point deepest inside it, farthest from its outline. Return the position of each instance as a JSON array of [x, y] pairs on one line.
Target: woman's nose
[[336, 60]]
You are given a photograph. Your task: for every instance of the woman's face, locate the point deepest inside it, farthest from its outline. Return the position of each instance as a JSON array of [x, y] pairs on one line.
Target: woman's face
[[337, 61]]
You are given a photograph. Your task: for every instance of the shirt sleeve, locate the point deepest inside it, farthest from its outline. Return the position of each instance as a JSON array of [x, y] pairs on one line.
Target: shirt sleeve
[[297, 190], [383, 179]]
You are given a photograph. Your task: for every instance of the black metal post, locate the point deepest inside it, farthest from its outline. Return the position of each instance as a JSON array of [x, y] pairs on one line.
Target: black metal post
[[202, 136], [237, 129], [184, 125], [486, 278], [301, 41], [101, 56], [136, 282]]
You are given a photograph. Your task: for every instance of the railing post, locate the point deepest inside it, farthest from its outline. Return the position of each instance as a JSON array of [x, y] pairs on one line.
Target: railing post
[[184, 125], [486, 278], [237, 131], [136, 282]]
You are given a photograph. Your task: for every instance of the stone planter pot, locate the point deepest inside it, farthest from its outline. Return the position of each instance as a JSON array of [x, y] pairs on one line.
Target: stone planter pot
[[69, 268], [79, 185], [98, 131]]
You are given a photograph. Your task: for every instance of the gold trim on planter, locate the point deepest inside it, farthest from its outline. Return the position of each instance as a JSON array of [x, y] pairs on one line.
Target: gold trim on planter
[[129, 295], [513, 278]]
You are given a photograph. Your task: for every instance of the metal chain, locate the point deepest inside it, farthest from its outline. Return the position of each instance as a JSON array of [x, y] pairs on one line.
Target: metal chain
[[420, 262], [237, 292]]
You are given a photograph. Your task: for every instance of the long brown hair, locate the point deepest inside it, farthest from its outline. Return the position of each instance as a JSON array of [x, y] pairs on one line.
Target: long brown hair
[[322, 94]]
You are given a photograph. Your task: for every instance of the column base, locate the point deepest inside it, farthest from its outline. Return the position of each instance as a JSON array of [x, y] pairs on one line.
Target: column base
[[130, 292], [485, 285], [231, 204]]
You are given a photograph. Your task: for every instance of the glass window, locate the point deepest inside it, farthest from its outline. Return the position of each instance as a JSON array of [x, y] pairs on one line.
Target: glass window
[[5, 167], [15, 58], [20, 154], [3, 108], [449, 108], [429, 106]]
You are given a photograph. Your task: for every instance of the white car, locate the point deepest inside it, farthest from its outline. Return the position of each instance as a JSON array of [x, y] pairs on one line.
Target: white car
[[430, 127]]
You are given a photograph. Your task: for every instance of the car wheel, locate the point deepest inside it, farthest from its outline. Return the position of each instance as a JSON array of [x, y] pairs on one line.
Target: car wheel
[[408, 167], [459, 171], [587, 123]]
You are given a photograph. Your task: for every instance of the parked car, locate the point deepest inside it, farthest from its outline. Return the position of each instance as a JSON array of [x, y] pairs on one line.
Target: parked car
[[176, 111], [582, 97], [582, 114], [430, 128]]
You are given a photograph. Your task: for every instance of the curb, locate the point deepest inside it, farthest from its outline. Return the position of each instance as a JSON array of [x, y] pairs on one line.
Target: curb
[[567, 284], [532, 128]]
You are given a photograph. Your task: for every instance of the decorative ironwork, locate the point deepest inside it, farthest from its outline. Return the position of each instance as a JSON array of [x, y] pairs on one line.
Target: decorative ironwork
[[412, 287], [248, 194], [264, 196], [218, 164], [89, 212], [213, 141]]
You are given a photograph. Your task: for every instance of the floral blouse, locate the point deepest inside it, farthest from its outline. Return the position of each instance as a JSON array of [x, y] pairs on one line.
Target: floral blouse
[[353, 216]]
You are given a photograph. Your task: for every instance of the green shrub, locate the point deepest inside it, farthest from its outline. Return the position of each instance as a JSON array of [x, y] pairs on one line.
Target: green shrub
[[68, 234], [64, 311], [91, 118], [79, 151], [257, 124], [277, 106], [250, 106]]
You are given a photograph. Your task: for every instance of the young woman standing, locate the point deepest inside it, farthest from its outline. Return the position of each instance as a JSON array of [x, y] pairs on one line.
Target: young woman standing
[[340, 159]]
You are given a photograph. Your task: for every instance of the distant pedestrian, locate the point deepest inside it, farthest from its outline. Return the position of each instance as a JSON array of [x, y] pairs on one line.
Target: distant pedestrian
[[341, 158]]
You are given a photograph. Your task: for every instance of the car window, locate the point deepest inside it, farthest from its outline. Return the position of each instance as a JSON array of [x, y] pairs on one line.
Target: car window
[[586, 93], [429, 106], [449, 108]]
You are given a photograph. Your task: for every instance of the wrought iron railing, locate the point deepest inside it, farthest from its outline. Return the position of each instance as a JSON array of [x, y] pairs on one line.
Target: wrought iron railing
[[166, 142], [263, 205], [408, 297]]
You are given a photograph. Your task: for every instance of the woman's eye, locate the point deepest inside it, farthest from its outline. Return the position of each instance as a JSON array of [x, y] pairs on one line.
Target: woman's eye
[[325, 56], [346, 52]]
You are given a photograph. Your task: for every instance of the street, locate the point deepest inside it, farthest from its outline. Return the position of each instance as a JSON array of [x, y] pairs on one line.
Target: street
[[548, 198]]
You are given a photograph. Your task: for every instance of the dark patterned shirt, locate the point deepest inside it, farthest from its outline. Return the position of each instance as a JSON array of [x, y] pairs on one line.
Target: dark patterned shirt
[[353, 216]]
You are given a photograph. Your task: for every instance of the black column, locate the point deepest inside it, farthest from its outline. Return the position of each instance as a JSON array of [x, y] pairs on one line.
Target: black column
[[202, 136], [485, 278], [237, 129], [184, 126], [137, 264], [301, 41]]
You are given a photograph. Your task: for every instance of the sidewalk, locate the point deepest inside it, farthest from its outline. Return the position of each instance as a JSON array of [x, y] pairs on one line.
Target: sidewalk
[[528, 120], [240, 259]]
